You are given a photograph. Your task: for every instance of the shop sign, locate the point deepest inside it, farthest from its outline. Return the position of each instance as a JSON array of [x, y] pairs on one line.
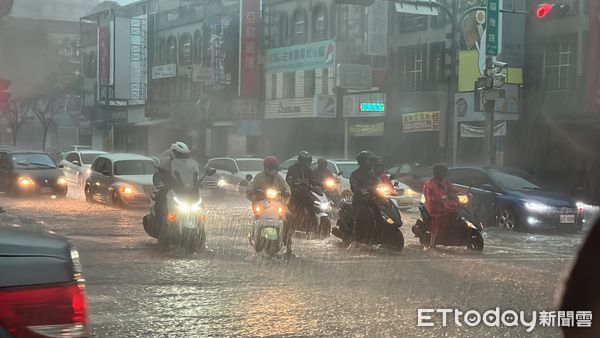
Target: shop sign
[[118, 115], [308, 56], [164, 71], [364, 105], [366, 129], [421, 121], [476, 131]]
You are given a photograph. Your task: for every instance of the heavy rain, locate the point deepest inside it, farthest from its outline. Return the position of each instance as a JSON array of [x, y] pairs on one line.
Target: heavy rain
[[251, 168]]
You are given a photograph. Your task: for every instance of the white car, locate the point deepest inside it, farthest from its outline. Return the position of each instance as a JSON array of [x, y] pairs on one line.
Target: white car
[[76, 165], [405, 196]]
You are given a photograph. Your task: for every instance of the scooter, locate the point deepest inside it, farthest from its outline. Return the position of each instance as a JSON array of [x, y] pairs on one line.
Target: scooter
[[387, 223], [269, 226], [465, 231], [316, 220], [185, 216]]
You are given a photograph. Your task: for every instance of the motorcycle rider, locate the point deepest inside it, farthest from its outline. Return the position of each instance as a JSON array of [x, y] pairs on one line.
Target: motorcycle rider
[[439, 204], [177, 150], [321, 173], [363, 182], [299, 178], [268, 178]]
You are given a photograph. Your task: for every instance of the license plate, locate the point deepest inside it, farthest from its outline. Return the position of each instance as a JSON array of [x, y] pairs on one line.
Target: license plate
[[567, 218], [269, 233]]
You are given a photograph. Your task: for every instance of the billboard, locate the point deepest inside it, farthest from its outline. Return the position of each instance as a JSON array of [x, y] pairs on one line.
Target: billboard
[[421, 121], [249, 48], [308, 56]]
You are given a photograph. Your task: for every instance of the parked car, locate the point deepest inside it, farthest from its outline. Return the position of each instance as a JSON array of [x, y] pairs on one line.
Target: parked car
[[513, 199], [121, 180], [68, 149], [41, 285], [413, 175], [233, 174], [342, 168], [30, 172], [76, 165]]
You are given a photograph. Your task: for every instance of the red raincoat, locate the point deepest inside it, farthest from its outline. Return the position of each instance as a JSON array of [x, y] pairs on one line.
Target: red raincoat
[[441, 209]]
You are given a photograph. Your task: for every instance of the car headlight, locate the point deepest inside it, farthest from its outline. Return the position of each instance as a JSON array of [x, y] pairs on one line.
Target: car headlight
[[537, 207], [221, 183], [127, 189], [26, 182], [61, 181]]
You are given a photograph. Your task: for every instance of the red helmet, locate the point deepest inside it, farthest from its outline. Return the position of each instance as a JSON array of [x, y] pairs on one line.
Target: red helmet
[[271, 163]]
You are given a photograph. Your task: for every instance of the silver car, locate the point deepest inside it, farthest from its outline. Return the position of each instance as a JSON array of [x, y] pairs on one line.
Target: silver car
[[121, 180], [233, 174], [76, 165]]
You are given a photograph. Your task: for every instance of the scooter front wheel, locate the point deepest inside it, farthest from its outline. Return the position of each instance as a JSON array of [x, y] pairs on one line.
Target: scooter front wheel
[[475, 241], [397, 241]]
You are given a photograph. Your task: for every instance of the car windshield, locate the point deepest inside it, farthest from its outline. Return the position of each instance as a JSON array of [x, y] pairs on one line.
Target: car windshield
[[347, 168], [134, 167], [513, 181], [250, 165], [88, 158], [33, 161]]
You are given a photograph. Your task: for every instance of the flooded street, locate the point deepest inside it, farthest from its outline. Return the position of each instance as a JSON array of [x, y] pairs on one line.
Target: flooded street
[[136, 289]]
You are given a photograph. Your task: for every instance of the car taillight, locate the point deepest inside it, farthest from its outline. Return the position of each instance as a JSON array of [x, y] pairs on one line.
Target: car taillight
[[53, 310]]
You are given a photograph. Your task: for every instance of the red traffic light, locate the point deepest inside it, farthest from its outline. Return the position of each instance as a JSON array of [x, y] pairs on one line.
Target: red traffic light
[[543, 10]]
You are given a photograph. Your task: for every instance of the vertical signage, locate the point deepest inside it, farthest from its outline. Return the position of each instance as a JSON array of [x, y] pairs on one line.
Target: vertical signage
[[104, 55], [492, 37], [249, 48]]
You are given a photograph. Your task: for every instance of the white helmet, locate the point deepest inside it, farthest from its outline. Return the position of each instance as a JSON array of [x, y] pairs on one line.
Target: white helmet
[[180, 149]]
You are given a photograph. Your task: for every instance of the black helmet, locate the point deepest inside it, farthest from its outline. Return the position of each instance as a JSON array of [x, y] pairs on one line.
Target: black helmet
[[366, 158], [439, 171], [379, 165], [322, 163], [305, 158]]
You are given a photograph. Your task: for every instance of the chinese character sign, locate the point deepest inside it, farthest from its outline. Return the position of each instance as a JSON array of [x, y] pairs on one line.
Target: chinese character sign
[[104, 55], [249, 48]]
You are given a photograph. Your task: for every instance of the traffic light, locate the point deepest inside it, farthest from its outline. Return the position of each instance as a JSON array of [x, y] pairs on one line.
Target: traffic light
[[546, 10], [4, 94]]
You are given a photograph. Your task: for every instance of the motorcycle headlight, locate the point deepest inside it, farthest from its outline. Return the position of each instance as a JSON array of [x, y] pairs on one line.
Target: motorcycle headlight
[[463, 199], [181, 205], [330, 184], [272, 194], [537, 207], [197, 206], [383, 190], [471, 225], [61, 181]]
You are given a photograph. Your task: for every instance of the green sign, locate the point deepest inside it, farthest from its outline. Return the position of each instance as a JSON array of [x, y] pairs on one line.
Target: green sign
[[372, 107], [492, 23], [306, 56]]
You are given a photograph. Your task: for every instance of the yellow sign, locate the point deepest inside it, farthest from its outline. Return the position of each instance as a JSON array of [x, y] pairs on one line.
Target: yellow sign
[[422, 121], [470, 68]]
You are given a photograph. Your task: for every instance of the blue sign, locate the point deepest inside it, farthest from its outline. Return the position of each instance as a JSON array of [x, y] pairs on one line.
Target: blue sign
[[372, 107]]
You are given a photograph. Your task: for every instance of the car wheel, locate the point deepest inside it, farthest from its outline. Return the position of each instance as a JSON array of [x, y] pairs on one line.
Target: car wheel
[[507, 219], [87, 191]]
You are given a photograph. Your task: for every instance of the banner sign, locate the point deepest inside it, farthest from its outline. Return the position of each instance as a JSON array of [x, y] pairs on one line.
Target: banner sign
[[164, 71], [249, 48], [364, 129], [104, 55], [308, 56], [422, 121], [475, 131]]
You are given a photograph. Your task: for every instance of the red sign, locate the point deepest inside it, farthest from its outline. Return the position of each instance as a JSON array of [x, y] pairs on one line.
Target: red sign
[[593, 66], [249, 48], [104, 55]]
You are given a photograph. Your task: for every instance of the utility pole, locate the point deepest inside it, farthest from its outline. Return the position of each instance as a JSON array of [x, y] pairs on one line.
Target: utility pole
[[494, 78]]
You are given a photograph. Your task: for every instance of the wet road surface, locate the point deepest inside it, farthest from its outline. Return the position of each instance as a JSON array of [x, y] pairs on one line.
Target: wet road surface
[[136, 289]]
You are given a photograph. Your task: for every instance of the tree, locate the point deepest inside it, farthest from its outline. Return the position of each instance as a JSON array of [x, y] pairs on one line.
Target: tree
[[16, 113], [44, 110]]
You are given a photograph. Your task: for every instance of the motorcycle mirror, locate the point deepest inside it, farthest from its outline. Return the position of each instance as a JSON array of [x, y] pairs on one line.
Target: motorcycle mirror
[[210, 171]]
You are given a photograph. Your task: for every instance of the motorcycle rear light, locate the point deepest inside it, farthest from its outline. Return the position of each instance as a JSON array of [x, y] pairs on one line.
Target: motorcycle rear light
[[54, 310]]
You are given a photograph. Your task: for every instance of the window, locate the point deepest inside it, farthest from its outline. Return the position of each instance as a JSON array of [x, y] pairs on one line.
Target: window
[[289, 85], [273, 86], [325, 79], [33, 161], [72, 157], [558, 62], [319, 24], [5, 161], [299, 27], [88, 158], [283, 30], [250, 165], [171, 50], [460, 176], [98, 164], [350, 21], [413, 69], [185, 43], [134, 167], [436, 65], [412, 22], [309, 83]]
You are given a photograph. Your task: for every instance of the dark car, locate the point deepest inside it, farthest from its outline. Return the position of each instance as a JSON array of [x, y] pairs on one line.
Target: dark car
[[41, 286], [30, 172], [513, 199]]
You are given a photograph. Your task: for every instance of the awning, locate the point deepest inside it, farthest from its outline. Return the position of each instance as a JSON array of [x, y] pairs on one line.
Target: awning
[[152, 122]]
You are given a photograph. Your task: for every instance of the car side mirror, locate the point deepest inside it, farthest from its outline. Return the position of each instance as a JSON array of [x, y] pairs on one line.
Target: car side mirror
[[210, 171], [61, 166], [105, 173], [340, 173]]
